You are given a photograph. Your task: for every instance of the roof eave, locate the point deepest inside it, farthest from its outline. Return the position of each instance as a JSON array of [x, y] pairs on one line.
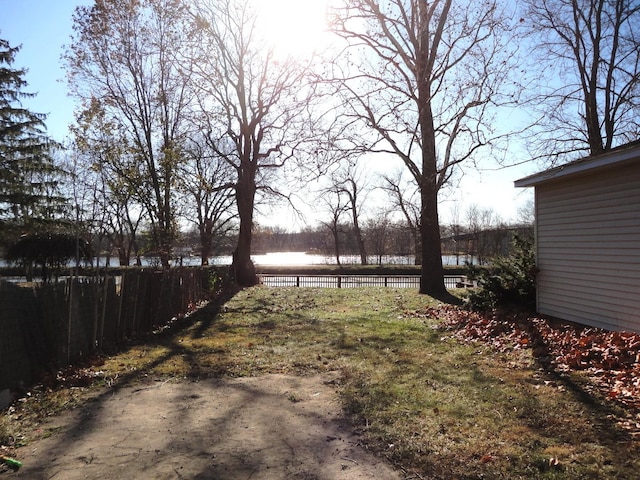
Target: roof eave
[[586, 164]]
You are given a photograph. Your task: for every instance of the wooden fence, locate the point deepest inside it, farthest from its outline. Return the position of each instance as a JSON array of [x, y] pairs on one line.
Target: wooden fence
[[45, 326]]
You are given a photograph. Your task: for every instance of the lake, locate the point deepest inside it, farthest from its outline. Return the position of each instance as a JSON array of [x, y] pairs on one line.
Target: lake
[[304, 259], [288, 259]]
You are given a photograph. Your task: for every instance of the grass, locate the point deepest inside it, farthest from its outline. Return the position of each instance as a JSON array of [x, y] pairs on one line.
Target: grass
[[434, 406]]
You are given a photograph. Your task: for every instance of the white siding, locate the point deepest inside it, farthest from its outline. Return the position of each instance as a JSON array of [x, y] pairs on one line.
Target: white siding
[[588, 241]]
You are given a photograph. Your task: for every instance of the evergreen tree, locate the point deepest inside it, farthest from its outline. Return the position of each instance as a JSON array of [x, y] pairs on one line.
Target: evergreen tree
[[28, 177]]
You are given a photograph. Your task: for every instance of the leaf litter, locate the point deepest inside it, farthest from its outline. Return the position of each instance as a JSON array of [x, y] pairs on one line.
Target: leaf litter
[[610, 361]]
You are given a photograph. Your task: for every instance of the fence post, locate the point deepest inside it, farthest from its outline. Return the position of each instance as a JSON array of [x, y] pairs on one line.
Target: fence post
[[297, 281], [70, 300], [107, 282], [339, 281], [119, 335]]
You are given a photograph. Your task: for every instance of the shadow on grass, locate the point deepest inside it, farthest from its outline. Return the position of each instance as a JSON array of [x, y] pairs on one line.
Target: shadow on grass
[[206, 315], [585, 392], [449, 299]]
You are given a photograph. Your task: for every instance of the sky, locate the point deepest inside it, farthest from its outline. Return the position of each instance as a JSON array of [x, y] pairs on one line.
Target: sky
[[43, 27]]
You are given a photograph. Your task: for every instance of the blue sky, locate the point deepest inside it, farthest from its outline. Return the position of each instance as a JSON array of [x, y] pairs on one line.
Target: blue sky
[[43, 27]]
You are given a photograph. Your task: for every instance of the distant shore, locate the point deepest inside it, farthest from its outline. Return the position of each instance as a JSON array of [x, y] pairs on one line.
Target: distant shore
[[354, 269]]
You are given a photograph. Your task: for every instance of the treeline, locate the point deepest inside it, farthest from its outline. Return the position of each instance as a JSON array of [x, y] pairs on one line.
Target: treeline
[[381, 240], [482, 237]]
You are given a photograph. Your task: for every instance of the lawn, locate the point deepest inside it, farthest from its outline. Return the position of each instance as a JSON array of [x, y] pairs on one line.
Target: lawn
[[435, 405]]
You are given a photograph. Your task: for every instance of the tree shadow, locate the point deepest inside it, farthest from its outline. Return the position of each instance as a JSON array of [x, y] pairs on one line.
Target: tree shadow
[[606, 412], [207, 314], [448, 298]]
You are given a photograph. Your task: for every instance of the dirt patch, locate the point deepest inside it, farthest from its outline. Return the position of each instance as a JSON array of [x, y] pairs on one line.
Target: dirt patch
[[268, 427]]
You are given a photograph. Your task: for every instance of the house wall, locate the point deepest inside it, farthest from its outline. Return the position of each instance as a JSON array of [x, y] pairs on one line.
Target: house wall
[[588, 248]]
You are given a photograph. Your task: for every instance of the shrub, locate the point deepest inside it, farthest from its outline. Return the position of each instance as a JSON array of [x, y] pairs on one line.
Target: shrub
[[509, 280]]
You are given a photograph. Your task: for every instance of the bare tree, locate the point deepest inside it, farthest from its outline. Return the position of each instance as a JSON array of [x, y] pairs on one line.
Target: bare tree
[[588, 52], [480, 223], [207, 184], [378, 235], [103, 148], [405, 198], [122, 226], [350, 183], [423, 79], [336, 206], [123, 58], [456, 230], [527, 213], [83, 190], [257, 108]]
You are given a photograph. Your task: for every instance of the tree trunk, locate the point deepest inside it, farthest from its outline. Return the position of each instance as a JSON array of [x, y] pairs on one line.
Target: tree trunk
[[243, 269], [356, 225], [336, 243], [361, 247], [123, 257], [431, 271], [205, 245], [162, 242]]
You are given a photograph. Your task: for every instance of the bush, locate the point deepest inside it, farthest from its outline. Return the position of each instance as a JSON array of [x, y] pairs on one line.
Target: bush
[[508, 280]]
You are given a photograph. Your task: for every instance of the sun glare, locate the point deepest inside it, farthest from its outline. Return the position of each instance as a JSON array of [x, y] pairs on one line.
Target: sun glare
[[294, 27]]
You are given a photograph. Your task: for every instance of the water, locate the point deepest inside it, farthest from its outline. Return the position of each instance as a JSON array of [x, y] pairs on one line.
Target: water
[[287, 259], [307, 259]]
